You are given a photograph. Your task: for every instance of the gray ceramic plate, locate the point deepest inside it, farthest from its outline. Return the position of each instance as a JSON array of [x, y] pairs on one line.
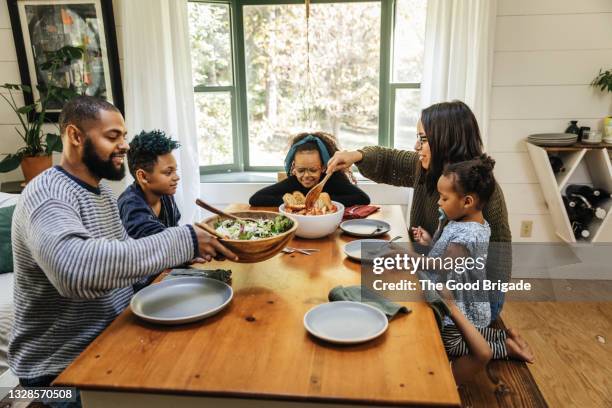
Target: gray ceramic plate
[[345, 322], [354, 251], [553, 136], [365, 227], [553, 139], [181, 300], [554, 142]]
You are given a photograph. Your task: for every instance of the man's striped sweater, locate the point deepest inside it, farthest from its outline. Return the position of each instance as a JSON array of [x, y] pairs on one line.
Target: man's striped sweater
[[74, 269]]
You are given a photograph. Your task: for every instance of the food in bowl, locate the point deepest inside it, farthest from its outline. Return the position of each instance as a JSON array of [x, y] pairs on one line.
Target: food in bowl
[[296, 204], [256, 250], [319, 226], [247, 230]]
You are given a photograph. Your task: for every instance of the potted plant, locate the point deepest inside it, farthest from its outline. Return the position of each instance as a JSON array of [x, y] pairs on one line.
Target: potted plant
[[35, 156], [603, 80]]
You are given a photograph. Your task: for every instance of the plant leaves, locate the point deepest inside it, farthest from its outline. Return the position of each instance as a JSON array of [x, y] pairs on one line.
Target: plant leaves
[[9, 163], [603, 80], [11, 86], [24, 110], [61, 57], [54, 143]]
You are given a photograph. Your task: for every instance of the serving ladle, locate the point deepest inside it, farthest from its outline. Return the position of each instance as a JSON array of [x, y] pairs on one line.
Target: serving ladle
[[315, 192], [217, 211]]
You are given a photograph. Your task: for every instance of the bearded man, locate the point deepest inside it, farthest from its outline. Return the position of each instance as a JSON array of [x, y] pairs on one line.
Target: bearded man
[[74, 262]]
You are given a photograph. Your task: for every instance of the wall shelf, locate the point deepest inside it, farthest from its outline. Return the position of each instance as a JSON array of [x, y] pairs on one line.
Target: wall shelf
[[584, 164]]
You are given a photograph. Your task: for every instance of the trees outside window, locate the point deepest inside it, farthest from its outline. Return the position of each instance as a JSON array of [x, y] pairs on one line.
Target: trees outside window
[[260, 76]]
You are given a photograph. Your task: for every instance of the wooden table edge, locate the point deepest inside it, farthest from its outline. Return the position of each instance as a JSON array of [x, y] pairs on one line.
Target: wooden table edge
[[256, 396]]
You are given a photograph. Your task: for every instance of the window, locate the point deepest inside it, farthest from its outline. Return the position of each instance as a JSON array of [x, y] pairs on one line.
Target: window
[[408, 43], [214, 91], [258, 81]]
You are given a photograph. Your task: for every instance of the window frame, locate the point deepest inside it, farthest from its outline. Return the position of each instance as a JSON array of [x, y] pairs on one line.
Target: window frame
[[238, 89]]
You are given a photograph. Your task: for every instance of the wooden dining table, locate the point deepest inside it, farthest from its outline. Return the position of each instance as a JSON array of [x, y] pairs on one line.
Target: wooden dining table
[[256, 352]]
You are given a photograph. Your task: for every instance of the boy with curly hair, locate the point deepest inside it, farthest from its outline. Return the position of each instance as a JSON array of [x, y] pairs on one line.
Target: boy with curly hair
[[147, 207]]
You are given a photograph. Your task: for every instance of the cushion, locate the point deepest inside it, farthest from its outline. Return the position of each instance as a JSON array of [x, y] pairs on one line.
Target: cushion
[[7, 200], [6, 251]]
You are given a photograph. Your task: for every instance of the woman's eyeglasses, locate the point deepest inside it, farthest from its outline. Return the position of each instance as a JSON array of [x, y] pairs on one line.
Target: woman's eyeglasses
[[300, 171], [421, 139]]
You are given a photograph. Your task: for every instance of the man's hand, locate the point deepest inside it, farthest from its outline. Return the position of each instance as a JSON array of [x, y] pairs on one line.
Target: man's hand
[[211, 248]]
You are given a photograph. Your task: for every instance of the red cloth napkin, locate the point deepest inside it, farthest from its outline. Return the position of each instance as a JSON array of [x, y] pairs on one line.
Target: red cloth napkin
[[359, 211]]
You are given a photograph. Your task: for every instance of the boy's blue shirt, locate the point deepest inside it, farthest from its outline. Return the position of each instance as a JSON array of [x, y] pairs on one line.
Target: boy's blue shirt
[[139, 219]]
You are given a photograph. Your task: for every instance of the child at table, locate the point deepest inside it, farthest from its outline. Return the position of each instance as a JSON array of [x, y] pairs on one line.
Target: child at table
[[305, 167], [147, 207], [464, 189]]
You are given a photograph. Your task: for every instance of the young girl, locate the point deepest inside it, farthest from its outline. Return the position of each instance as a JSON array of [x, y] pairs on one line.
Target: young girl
[[305, 167], [465, 188]]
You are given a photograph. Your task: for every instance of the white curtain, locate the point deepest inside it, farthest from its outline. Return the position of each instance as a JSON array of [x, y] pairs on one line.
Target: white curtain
[[158, 85], [458, 60]]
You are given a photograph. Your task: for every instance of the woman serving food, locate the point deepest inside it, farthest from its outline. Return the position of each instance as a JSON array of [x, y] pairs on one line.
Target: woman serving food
[[446, 133]]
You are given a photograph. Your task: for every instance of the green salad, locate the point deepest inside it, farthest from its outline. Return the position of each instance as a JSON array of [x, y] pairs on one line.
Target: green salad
[[249, 230]]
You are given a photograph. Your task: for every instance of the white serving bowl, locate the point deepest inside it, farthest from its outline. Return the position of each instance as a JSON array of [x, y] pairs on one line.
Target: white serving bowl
[[316, 226]]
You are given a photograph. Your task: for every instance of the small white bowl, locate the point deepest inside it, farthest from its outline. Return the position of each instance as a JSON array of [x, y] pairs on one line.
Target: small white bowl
[[316, 226]]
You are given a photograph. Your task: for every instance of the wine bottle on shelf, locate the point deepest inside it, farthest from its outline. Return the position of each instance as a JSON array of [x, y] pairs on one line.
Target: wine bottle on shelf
[[580, 230], [576, 211], [556, 163], [599, 195], [581, 189], [592, 197], [585, 207]]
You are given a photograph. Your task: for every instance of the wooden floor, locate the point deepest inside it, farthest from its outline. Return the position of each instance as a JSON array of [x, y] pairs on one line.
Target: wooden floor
[[572, 342]]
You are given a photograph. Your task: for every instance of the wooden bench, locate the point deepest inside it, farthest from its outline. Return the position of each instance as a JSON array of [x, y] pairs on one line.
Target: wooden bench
[[506, 383]]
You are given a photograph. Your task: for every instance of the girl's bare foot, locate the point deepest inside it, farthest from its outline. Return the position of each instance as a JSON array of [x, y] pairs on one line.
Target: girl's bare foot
[[518, 348]]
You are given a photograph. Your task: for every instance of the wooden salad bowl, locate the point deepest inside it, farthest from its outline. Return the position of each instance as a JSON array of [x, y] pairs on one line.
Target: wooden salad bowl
[[259, 249]]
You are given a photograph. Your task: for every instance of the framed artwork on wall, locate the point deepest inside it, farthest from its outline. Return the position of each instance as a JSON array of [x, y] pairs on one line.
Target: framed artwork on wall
[[42, 27]]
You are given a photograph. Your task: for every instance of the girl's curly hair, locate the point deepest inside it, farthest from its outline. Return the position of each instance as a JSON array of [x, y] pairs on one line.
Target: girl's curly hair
[[146, 147], [473, 176]]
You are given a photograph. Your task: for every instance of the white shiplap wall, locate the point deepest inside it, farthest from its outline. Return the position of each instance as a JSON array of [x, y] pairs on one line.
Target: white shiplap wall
[[546, 54], [9, 72]]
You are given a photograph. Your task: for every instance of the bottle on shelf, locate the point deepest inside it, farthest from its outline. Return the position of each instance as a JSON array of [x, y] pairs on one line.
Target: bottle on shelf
[[586, 207], [580, 230], [573, 127], [584, 132], [600, 195], [594, 196], [556, 163], [577, 211]]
